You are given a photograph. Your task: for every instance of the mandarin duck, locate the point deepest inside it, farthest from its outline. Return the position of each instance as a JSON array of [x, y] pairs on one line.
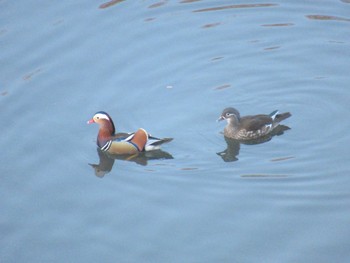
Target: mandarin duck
[[250, 127], [123, 143]]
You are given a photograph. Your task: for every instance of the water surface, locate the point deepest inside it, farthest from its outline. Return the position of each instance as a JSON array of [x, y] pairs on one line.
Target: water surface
[[171, 67]]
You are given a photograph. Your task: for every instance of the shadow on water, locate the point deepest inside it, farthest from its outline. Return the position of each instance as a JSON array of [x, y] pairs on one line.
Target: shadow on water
[[230, 154], [107, 160]]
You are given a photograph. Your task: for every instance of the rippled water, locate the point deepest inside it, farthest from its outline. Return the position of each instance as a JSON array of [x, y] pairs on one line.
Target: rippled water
[[171, 67]]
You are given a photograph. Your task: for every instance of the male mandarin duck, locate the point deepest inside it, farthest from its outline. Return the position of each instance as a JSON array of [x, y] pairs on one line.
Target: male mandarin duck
[[250, 127], [123, 143]]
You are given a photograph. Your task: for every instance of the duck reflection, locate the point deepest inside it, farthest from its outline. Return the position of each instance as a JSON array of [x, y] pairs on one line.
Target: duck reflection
[[107, 160], [230, 154]]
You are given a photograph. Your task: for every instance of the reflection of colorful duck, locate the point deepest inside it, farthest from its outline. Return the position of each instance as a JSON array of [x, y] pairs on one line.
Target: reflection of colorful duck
[[123, 143], [107, 160], [250, 127], [105, 165]]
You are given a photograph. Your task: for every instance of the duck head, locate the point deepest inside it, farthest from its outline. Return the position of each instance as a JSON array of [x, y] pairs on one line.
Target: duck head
[[107, 128], [231, 115]]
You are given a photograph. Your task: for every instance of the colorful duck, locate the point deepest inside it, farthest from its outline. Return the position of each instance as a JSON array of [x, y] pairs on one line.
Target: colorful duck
[[123, 143]]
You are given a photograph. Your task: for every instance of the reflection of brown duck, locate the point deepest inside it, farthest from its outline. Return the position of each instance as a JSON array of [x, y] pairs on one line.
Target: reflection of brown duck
[[230, 154], [123, 143], [250, 127], [107, 160], [232, 150]]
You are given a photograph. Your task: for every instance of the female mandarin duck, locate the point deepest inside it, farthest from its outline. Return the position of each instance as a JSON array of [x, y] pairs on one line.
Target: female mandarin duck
[[250, 127], [123, 143]]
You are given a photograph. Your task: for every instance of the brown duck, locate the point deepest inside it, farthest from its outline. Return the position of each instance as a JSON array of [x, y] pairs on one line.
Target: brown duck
[[250, 127]]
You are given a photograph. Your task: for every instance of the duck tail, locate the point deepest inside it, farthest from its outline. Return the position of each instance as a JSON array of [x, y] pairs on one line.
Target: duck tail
[[154, 143]]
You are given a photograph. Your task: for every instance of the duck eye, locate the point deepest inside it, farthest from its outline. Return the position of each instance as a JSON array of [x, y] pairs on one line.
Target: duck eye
[[97, 117]]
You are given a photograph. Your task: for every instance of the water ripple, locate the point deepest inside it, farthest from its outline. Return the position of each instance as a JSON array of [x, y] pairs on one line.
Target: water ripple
[[219, 8], [325, 17], [110, 3]]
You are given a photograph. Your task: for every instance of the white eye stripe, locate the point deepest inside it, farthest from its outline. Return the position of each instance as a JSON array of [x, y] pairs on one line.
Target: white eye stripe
[[101, 116]]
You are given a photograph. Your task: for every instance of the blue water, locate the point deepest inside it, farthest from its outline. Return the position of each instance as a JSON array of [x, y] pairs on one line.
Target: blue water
[[171, 67]]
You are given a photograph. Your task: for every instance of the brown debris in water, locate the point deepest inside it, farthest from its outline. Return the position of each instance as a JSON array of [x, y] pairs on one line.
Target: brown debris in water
[[149, 19], [211, 25], [326, 18], [226, 86], [189, 1], [219, 8], [110, 3], [30, 75], [278, 25], [282, 159], [158, 4], [272, 48], [216, 58]]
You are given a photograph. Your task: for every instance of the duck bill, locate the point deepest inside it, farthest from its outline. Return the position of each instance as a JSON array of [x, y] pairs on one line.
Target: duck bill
[[220, 119], [90, 121]]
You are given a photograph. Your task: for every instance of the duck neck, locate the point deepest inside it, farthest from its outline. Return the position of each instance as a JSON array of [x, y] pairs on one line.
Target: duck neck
[[232, 124], [105, 133]]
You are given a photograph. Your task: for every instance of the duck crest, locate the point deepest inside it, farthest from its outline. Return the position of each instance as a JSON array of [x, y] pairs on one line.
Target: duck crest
[[108, 120]]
